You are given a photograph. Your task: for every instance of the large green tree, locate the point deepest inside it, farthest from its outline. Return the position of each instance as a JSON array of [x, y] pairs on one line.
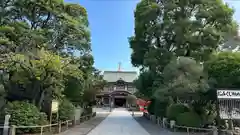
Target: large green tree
[[164, 29], [39, 40]]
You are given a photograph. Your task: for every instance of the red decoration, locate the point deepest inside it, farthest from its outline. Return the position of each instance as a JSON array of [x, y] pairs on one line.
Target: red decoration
[[143, 104]]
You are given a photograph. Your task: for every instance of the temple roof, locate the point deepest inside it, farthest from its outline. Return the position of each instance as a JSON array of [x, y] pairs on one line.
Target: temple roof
[[114, 76]]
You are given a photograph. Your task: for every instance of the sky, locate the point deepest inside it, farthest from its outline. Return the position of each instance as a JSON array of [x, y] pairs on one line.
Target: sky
[[111, 23]]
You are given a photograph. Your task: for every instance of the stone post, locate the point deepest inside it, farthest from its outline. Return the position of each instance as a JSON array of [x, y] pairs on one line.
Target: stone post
[[164, 121], [6, 124], [12, 130], [59, 127], [215, 130], [172, 123]]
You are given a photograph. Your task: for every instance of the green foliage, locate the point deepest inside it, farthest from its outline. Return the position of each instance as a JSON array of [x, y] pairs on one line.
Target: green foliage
[[189, 119], [171, 38], [46, 54], [144, 84], [66, 110], [186, 29], [161, 107], [38, 51], [25, 114], [74, 90], [181, 77], [176, 109], [223, 68], [151, 107]]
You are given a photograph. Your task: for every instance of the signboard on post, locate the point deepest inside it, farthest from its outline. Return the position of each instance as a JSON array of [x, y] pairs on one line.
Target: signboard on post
[[54, 107], [229, 104]]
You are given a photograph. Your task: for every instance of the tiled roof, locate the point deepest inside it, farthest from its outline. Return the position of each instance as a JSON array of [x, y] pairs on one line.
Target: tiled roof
[[113, 76]]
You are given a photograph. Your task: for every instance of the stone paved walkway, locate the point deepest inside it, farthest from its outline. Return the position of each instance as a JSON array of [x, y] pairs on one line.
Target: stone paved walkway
[[119, 122], [85, 127]]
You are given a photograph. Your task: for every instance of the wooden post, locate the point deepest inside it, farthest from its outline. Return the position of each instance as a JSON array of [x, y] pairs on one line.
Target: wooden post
[[67, 124], [59, 126], [50, 121], [41, 131], [6, 124], [74, 122]]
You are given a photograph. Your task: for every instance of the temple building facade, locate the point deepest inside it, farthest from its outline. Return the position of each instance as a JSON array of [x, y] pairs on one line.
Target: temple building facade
[[119, 86]]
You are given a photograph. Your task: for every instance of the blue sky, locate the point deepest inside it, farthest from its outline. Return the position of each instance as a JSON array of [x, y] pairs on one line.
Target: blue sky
[[111, 23]]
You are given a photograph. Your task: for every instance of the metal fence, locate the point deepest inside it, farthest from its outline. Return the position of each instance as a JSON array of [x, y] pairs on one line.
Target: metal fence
[[48, 129]]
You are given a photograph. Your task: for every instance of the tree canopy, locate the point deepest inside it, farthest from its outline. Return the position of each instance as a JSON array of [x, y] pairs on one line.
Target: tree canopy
[[46, 52], [164, 29], [176, 45]]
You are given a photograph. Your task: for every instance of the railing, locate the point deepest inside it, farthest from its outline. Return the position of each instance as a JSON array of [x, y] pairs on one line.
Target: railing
[[47, 129], [184, 130]]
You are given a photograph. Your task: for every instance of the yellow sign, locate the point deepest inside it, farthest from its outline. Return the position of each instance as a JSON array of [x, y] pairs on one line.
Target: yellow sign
[[54, 106]]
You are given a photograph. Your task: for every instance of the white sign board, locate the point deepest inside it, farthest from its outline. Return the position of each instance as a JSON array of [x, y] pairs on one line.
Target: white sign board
[[54, 106], [233, 114], [228, 94]]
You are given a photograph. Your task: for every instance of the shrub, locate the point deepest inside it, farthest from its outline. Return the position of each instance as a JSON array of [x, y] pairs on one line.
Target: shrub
[[66, 110], [151, 107], [25, 114], [160, 108], [189, 119], [175, 109]]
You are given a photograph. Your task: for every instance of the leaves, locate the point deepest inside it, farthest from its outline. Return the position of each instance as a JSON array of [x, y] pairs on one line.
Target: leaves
[[38, 41], [224, 68], [182, 77], [177, 28]]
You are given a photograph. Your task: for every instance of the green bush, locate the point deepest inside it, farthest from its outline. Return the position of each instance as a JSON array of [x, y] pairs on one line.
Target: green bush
[[25, 114], [66, 110], [151, 107], [160, 108], [175, 109], [189, 119]]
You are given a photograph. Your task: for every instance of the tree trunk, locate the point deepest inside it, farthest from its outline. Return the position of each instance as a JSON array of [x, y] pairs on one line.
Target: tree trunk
[[39, 105]]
